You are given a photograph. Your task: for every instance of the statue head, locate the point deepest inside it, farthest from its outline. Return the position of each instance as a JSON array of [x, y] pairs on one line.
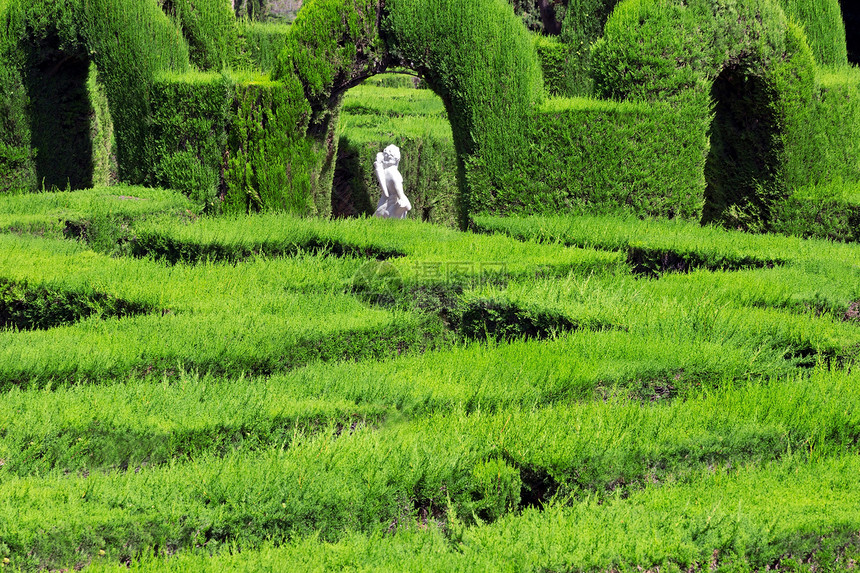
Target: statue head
[[391, 155]]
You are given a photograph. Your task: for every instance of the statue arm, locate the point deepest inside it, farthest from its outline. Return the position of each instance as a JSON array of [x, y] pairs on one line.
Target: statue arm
[[380, 174]]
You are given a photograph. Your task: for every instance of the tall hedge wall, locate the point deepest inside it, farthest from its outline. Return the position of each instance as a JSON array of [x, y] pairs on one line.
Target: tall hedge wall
[[590, 156], [234, 143], [209, 27], [748, 60], [489, 118], [128, 42], [822, 21]]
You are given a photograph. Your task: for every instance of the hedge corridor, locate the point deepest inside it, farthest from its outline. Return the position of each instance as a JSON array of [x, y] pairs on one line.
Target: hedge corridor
[[735, 113]]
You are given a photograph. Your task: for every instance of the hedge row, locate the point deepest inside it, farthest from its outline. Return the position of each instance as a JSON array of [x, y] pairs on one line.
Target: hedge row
[[128, 42], [209, 26], [597, 156], [231, 142], [572, 26]]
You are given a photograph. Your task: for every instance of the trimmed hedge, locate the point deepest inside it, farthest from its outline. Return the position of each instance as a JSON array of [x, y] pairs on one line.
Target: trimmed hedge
[[826, 148], [128, 42], [590, 156], [261, 43], [233, 143], [748, 58], [209, 26], [826, 212], [824, 27], [489, 118]]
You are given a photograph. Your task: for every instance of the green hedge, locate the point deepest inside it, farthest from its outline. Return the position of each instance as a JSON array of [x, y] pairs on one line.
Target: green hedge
[[749, 59], [582, 27], [829, 211], [261, 43], [598, 157], [209, 26], [823, 24], [234, 143], [128, 42], [827, 146], [489, 118], [17, 167]]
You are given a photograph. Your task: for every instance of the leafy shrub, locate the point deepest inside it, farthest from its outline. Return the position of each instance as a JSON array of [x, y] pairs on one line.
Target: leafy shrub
[[128, 42], [748, 58]]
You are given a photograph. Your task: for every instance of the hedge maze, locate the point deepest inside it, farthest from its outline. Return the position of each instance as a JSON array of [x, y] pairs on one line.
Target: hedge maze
[[618, 332]]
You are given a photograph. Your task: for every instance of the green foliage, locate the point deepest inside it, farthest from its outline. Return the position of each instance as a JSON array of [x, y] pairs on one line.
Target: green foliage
[[748, 60], [553, 57], [582, 26], [128, 43], [234, 143], [824, 27], [261, 43], [489, 119], [27, 308], [269, 164], [824, 211], [825, 148], [251, 9], [720, 248], [71, 214], [591, 156], [102, 132], [189, 124], [209, 27], [270, 398], [17, 171]]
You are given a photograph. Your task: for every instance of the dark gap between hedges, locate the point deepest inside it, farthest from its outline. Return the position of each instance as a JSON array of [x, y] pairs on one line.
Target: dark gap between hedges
[[474, 320], [38, 308], [652, 263], [173, 251]]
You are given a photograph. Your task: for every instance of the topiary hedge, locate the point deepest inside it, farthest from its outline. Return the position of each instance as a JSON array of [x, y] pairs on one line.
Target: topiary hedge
[[233, 142], [209, 27], [489, 118], [822, 21], [748, 59], [589, 156], [260, 44], [51, 43]]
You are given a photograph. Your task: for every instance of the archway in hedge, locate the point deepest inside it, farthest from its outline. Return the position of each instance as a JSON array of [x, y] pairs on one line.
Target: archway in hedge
[[54, 48], [745, 64], [63, 115], [742, 168], [474, 54]]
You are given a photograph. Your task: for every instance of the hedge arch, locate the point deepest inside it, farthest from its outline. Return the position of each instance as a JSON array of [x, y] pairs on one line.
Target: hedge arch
[[752, 63], [475, 54], [824, 26], [48, 47]]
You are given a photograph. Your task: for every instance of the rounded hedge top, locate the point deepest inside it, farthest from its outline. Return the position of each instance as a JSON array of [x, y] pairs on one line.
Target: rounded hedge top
[[660, 49], [822, 21]]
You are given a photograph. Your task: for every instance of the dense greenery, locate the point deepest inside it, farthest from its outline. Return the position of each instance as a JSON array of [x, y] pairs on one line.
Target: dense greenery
[[186, 391], [239, 369], [128, 42], [147, 123]]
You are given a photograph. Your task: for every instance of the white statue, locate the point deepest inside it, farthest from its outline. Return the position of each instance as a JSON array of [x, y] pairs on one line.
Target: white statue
[[393, 202]]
